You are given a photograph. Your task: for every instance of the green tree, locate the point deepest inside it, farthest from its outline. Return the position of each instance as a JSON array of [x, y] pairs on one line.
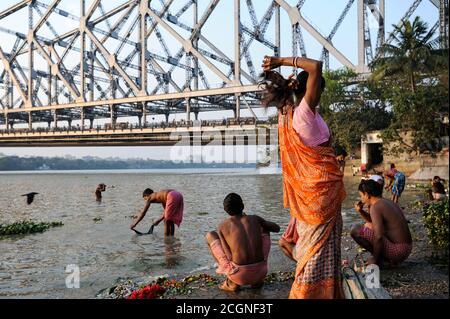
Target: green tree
[[415, 76], [411, 54], [351, 107]]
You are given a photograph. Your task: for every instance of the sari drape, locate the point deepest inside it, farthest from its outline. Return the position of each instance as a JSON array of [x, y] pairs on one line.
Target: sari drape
[[313, 190]]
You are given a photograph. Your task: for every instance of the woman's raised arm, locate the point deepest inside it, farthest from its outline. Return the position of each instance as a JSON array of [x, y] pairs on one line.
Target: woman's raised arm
[[314, 69]]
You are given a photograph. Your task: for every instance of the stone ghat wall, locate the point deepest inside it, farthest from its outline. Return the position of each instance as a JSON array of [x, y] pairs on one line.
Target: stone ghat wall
[[421, 167]]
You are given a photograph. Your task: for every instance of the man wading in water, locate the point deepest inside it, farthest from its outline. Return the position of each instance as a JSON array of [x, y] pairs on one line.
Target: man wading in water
[[98, 192], [173, 204]]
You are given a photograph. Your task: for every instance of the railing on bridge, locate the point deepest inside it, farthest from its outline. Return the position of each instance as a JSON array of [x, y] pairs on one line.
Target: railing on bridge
[[136, 127]]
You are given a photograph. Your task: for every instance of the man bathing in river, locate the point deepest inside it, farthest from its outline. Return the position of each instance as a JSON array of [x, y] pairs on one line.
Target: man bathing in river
[[98, 192], [241, 246], [173, 204], [386, 234]]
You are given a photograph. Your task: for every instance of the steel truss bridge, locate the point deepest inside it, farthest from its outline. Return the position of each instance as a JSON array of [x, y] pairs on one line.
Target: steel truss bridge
[[106, 60]]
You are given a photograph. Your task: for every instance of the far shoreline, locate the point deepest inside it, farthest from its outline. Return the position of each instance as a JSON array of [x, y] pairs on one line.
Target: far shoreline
[[174, 171]]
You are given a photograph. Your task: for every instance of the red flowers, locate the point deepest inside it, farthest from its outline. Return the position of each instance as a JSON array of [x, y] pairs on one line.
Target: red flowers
[[149, 292]]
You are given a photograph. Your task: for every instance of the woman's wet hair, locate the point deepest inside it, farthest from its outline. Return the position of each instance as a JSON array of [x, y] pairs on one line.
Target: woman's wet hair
[[302, 79], [371, 188], [278, 91], [147, 192], [233, 204]]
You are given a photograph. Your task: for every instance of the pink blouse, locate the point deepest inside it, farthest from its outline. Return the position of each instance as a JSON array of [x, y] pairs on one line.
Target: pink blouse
[[310, 126]]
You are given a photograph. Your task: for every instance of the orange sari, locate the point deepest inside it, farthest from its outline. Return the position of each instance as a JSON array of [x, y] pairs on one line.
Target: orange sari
[[313, 190]]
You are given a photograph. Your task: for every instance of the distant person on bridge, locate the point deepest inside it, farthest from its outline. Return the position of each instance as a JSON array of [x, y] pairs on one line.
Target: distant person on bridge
[[173, 204], [313, 185]]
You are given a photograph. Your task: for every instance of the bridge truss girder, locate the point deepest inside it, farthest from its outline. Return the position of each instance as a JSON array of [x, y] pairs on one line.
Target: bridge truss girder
[[127, 60]]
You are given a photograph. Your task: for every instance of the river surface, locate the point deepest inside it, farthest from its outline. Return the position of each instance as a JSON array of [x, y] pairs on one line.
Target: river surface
[[34, 266]]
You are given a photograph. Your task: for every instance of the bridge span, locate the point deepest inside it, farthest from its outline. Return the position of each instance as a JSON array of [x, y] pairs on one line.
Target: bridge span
[[95, 60], [188, 135]]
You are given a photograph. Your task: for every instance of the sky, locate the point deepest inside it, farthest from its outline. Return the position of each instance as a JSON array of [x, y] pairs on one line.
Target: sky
[[322, 14]]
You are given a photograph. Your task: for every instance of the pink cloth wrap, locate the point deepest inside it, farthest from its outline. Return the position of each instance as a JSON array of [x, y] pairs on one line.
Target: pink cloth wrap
[[309, 125], [174, 208], [241, 275], [392, 252], [290, 235]]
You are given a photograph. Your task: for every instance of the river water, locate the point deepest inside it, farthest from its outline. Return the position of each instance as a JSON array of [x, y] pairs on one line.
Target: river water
[[34, 266]]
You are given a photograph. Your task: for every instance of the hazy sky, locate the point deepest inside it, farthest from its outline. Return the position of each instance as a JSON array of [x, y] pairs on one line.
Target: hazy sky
[[322, 14]]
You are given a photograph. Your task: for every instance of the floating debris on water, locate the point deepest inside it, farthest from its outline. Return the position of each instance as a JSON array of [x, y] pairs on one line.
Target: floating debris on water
[[202, 213], [26, 227], [97, 219]]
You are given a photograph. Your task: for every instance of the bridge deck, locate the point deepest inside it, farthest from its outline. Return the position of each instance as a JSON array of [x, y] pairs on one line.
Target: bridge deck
[[182, 136]]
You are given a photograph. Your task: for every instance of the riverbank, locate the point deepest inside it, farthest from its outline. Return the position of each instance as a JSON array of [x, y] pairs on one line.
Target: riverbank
[[419, 277]]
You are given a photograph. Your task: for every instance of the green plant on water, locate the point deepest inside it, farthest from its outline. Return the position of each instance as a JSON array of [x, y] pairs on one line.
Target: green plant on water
[[26, 227], [202, 213], [435, 216]]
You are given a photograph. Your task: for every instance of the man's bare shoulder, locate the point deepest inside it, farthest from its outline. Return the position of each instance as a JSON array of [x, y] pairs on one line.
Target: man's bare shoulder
[[383, 206], [157, 197], [224, 224], [377, 208], [256, 218]]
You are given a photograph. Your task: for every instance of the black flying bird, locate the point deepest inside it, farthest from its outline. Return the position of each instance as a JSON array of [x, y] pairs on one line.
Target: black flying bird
[[30, 197]]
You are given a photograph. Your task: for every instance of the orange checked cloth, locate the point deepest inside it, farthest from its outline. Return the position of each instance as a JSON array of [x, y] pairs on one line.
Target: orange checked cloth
[[313, 190]]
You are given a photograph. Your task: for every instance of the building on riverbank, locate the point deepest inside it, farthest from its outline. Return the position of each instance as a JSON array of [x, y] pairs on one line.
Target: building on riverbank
[[421, 166]]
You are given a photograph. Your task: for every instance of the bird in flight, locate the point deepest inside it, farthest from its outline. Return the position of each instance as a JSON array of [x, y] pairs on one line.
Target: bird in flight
[[30, 197]]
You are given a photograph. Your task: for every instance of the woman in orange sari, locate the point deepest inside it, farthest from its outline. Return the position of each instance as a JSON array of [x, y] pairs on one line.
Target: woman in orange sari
[[313, 187]]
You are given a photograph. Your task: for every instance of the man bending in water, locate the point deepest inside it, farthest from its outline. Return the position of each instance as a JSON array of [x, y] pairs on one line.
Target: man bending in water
[[386, 234], [98, 192], [241, 246], [173, 204]]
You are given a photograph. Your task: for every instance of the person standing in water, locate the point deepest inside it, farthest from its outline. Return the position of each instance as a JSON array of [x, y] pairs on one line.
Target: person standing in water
[[173, 204], [98, 192]]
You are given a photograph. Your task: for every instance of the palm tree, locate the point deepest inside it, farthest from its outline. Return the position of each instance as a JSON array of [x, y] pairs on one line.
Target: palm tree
[[411, 53]]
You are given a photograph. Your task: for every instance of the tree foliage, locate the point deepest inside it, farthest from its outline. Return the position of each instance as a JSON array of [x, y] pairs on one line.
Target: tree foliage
[[411, 55], [351, 108], [436, 217], [415, 74]]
